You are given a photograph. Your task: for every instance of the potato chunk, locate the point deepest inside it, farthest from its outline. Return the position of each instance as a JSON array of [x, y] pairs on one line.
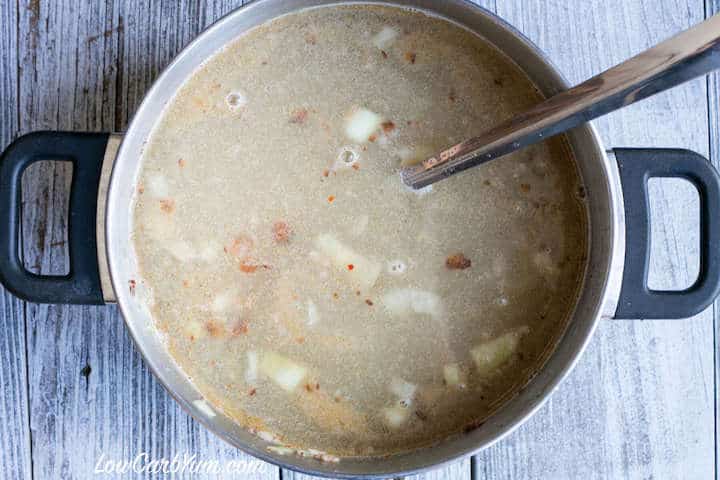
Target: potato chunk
[[281, 370], [357, 269], [361, 124], [488, 356]]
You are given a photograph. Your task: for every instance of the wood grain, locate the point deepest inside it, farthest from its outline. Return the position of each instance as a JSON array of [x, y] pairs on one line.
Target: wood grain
[[15, 461], [712, 7], [640, 404]]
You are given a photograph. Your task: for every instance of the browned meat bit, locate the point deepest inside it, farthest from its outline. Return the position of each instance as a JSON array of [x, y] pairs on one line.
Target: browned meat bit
[[140, 188], [214, 328], [312, 387], [452, 96], [384, 53], [388, 126], [326, 173], [181, 163], [281, 232], [335, 295], [356, 166], [299, 115], [167, 205], [421, 415], [131, 285], [240, 328], [252, 391], [410, 56], [240, 246], [498, 82], [300, 340], [372, 138], [369, 302], [457, 261], [525, 187]]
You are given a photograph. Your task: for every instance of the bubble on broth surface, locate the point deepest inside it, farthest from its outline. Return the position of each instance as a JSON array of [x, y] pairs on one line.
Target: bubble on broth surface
[[396, 267], [235, 100]]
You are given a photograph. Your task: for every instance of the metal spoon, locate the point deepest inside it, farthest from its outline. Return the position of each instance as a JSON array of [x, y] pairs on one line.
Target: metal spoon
[[683, 57]]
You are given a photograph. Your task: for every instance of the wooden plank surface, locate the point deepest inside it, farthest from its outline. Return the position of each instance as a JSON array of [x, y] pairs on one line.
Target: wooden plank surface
[[15, 459], [713, 8], [640, 404]]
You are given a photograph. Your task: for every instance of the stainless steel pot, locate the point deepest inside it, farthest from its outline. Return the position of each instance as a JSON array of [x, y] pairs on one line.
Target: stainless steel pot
[[103, 265]]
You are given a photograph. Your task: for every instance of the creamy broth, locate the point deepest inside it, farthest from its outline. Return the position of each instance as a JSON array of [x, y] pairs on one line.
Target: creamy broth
[[305, 291]]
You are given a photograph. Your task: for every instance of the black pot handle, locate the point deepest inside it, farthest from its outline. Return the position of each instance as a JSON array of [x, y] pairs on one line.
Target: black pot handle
[[86, 152], [636, 167]]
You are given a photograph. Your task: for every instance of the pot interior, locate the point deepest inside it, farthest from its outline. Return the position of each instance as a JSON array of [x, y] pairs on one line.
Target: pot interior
[[600, 286]]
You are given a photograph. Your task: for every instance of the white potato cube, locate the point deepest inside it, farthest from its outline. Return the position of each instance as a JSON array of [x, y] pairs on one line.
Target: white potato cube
[[395, 416], [313, 316], [488, 356], [283, 371], [453, 375], [357, 269], [252, 366], [385, 37], [157, 186], [181, 250], [403, 390], [362, 123], [402, 301]]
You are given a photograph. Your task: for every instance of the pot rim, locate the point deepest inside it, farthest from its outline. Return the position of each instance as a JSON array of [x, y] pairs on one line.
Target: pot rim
[[605, 303]]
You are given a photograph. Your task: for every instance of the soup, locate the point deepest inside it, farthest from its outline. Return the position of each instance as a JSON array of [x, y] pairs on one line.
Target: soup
[[306, 291]]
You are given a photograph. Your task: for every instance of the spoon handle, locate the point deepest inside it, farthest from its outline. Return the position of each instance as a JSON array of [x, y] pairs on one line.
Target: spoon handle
[[683, 57]]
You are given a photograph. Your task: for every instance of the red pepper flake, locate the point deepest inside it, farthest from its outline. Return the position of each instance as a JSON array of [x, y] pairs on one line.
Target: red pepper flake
[[299, 115], [131, 285], [452, 96], [281, 232], [388, 126], [140, 188], [185, 283], [326, 173], [410, 56], [350, 266], [252, 391], [372, 138], [384, 53], [458, 261], [331, 198], [356, 166], [369, 302], [300, 340], [167, 205], [181, 163]]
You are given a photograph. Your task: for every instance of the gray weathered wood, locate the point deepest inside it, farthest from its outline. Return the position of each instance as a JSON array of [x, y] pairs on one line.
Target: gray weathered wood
[[640, 402], [713, 8], [15, 425]]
